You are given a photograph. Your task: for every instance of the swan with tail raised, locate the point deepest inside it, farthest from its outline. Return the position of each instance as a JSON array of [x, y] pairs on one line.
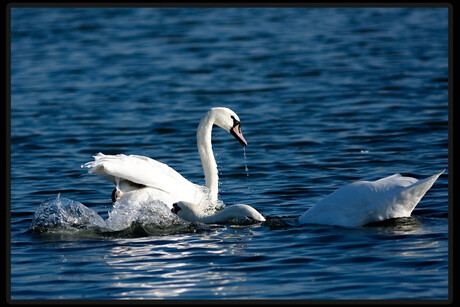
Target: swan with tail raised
[[363, 202], [135, 175]]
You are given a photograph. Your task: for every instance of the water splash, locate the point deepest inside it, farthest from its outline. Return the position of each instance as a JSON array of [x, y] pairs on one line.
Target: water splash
[[61, 212], [128, 217]]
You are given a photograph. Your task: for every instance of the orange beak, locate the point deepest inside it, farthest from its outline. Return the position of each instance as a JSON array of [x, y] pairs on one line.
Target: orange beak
[[236, 132]]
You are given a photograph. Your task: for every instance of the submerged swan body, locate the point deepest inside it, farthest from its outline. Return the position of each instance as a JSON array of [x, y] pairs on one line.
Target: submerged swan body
[[191, 213], [363, 202], [138, 174]]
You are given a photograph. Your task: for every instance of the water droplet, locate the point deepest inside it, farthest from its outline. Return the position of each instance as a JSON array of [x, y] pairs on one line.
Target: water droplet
[[245, 162]]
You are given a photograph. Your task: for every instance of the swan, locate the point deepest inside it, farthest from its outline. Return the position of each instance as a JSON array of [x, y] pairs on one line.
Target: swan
[[363, 202], [141, 175], [191, 213]]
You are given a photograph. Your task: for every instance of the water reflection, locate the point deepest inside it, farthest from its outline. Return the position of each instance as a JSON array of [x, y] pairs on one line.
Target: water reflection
[[419, 249], [169, 266]]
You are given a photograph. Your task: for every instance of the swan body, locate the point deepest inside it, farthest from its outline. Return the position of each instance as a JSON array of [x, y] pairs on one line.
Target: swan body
[[190, 212], [135, 174], [363, 202], [141, 175]]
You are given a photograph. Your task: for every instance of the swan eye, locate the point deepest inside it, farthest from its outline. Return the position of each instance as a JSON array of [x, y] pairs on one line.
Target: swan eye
[[235, 122]]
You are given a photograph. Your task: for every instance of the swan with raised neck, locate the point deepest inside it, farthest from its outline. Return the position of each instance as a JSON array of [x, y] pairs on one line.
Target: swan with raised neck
[[227, 120], [139, 177]]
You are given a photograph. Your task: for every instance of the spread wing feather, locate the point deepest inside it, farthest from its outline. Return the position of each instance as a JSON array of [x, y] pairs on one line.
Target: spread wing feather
[[138, 169]]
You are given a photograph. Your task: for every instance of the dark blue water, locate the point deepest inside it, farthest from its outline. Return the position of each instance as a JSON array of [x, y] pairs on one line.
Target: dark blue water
[[326, 96]]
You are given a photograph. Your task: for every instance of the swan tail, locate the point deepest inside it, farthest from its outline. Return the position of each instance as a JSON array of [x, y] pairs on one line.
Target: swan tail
[[406, 200]]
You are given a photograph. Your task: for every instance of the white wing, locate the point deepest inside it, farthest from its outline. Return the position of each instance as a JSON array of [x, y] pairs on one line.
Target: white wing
[[363, 202], [139, 169]]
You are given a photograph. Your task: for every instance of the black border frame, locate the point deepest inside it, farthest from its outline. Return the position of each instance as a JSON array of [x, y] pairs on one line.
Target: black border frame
[[7, 122]]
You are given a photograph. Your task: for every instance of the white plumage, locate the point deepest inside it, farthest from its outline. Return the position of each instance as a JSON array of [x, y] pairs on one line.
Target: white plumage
[[190, 212], [139, 176], [363, 202], [163, 182]]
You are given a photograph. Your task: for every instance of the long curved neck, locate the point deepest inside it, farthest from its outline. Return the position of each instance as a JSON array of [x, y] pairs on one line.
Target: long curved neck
[[208, 161]]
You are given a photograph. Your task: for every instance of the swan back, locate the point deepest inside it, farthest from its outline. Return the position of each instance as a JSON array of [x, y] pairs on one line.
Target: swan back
[[192, 213], [148, 172], [237, 211]]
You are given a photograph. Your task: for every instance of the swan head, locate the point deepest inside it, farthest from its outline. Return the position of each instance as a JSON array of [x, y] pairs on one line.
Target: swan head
[[187, 211], [229, 121]]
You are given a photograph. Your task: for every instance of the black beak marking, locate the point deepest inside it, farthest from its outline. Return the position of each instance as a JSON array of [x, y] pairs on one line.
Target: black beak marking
[[235, 121], [237, 134], [175, 208]]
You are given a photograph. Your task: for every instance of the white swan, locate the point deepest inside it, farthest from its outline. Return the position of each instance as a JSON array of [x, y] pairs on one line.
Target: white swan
[[363, 202], [142, 174], [190, 212]]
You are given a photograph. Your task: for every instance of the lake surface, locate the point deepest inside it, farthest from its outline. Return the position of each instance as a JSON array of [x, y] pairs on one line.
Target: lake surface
[[326, 97]]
